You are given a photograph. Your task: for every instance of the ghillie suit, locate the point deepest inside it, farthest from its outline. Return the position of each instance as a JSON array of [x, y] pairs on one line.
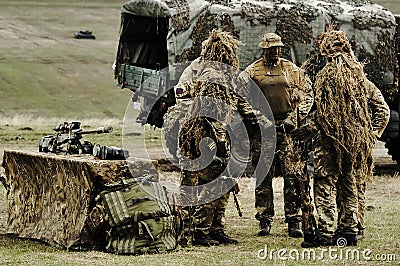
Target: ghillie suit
[[206, 119], [343, 151], [219, 47], [341, 86]]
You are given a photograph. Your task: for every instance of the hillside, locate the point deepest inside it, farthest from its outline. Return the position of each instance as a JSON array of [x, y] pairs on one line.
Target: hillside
[[46, 72]]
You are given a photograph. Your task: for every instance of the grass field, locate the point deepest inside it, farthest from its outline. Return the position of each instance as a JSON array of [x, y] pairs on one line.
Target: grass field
[[392, 5], [47, 76], [46, 72], [380, 247]]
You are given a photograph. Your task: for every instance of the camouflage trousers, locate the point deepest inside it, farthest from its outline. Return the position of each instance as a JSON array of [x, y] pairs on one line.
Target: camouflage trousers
[[209, 216], [361, 186], [264, 197], [335, 194]]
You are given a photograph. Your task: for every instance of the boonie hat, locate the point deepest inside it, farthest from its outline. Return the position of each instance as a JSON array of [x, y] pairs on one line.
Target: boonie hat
[[270, 40]]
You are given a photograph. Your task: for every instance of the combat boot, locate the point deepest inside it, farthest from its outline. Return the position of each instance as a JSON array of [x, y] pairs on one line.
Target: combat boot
[[351, 239], [344, 240], [202, 239], [360, 234], [265, 228], [223, 238], [294, 230]]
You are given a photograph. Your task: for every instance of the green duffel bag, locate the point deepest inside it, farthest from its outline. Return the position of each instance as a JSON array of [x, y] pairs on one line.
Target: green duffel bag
[[133, 200], [148, 236], [135, 217]]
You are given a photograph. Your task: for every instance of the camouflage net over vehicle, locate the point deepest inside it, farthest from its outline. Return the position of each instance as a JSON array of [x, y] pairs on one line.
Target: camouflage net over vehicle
[[50, 196], [370, 29], [180, 20]]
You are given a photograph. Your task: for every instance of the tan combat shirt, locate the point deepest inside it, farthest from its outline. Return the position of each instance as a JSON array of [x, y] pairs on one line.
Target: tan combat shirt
[[296, 84]]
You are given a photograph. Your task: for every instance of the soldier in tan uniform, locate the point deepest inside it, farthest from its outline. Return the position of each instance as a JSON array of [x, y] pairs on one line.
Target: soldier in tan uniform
[[289, 94], [350, 114]]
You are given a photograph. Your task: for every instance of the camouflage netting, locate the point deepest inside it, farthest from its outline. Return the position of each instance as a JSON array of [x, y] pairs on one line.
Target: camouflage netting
[[369, 27], [50, 195]]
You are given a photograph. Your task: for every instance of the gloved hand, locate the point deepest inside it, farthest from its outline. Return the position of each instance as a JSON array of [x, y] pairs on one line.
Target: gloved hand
[[235, 188], [298, 134], [222, 151]]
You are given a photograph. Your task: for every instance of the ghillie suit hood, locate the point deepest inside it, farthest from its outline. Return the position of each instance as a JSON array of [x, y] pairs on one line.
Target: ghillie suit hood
[[342, 106], [221, 47]]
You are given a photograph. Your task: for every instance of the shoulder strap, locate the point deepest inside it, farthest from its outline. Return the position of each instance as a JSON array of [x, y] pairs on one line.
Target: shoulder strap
[[286, 64], [289, 66]]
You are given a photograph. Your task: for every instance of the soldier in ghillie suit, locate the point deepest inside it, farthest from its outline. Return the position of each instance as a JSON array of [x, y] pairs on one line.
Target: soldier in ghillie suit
[[207, 103], [289, 94], [350, 114]]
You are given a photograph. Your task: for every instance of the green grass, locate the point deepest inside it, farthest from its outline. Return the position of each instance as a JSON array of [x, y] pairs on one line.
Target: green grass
[[392, 5], [383, 201], [46, 72], [381, 239], [48, 77]]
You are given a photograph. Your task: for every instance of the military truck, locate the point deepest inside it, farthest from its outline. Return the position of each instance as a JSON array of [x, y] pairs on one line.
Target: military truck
[[155, 34]]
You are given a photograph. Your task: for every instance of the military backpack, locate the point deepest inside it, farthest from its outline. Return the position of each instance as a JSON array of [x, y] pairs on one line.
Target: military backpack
[[139, 217]]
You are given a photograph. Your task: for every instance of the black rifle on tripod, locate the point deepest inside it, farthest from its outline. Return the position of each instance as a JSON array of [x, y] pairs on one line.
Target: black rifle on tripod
[[68, 140]]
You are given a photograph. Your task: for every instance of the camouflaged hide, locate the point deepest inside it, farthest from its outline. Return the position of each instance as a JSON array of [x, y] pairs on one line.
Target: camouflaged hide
[[370, 28], [50, 195]]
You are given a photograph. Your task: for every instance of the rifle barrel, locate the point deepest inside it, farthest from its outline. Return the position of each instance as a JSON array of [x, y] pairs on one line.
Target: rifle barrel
[[237, 204], [98, 130]]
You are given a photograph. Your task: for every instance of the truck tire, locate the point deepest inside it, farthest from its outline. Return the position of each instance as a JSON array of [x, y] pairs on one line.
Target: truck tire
[[394, 149]]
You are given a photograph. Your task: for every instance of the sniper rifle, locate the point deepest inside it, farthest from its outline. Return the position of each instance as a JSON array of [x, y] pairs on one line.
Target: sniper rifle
[[302, 139], [71, 135]]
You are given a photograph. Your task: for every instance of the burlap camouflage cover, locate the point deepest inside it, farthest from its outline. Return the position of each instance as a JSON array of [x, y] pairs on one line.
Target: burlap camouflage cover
[[49, 196]]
